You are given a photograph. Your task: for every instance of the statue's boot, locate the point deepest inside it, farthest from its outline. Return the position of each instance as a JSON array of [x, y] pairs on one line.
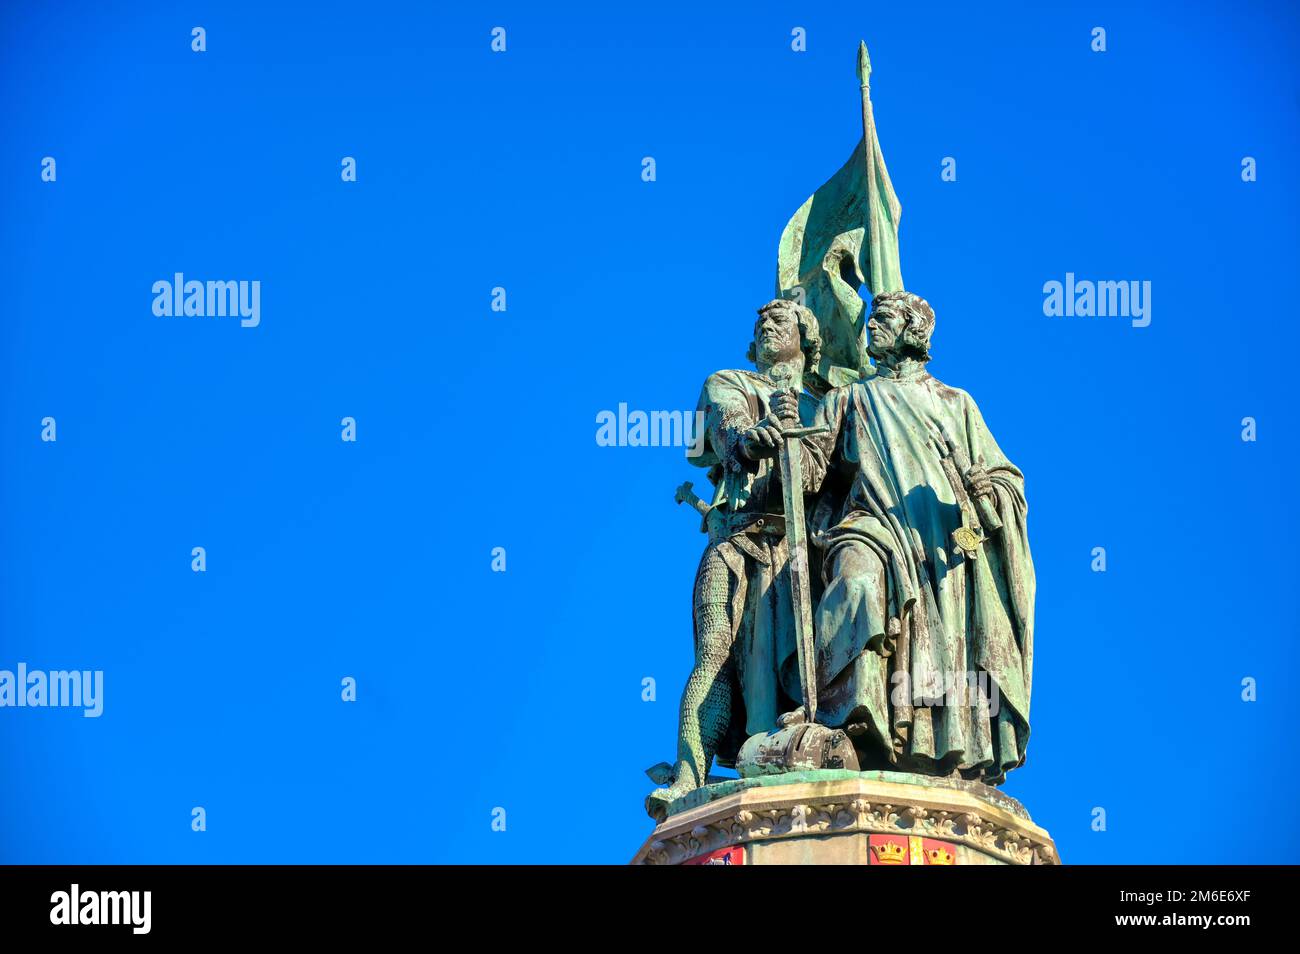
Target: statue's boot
[[657, 802]]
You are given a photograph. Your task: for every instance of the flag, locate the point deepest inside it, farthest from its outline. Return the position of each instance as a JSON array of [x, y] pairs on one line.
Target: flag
[[844, 236]]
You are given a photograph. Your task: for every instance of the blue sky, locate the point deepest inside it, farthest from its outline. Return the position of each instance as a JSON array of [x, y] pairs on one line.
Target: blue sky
[[476, 428]]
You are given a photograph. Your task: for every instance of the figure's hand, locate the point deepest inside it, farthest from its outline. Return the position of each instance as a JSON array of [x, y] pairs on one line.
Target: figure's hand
[[785, 408], [761, 440], [978, 481]]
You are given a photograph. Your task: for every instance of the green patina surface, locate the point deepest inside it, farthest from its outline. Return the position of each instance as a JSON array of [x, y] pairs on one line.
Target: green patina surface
[[844, 236], [892, 602]]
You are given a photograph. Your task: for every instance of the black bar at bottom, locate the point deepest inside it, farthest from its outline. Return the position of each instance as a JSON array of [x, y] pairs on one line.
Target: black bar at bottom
[[334, 903]]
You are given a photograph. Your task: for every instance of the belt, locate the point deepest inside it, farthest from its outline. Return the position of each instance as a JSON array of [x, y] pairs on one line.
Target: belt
[[769, 525]]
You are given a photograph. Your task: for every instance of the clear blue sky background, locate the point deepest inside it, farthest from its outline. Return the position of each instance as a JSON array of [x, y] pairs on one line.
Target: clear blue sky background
[[477, 429]]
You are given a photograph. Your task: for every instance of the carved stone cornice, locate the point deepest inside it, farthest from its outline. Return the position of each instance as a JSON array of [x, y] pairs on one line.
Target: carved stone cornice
[[846, 806]]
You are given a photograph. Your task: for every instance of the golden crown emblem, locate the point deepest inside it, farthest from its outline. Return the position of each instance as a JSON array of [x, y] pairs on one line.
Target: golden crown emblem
[[940, 856], [891, 853]]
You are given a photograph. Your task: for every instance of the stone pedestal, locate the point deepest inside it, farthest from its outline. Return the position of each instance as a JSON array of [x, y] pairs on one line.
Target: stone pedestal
[[831, 817]]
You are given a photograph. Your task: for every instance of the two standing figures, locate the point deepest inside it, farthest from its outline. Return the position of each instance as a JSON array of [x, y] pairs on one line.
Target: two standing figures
[[922, 595]]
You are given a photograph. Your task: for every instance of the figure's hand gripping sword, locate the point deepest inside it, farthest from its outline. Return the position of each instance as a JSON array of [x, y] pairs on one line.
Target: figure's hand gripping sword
[[981, 510], [796, 541]]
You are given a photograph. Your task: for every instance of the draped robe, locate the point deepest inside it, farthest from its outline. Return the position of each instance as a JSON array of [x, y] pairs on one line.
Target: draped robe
[[934, 671]]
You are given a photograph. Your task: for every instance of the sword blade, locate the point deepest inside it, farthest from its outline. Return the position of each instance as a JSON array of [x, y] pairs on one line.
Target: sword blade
[[800, 590]]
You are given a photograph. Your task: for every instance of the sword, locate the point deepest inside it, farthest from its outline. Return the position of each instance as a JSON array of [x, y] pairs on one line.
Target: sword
[[797, 544]]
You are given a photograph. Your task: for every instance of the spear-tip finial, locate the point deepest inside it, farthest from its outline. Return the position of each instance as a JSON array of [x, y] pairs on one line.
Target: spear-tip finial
[[864, 64]]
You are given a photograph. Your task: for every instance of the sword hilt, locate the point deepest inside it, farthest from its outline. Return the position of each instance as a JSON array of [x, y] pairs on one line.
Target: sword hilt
[[985, 509], [686, 494]]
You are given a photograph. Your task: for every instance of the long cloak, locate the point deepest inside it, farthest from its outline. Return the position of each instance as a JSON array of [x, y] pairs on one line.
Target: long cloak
[[954, 692]]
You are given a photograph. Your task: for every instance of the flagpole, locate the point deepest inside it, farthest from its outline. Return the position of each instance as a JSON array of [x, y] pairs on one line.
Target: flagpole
[[869, 148]]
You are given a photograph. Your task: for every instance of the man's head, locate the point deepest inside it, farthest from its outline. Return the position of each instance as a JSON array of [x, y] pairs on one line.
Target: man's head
[[900, 326], [784, 330]]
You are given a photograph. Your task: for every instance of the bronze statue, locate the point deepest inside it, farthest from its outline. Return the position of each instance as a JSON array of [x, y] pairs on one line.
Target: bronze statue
[[907, 627], [743, 615], [925, 627]]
